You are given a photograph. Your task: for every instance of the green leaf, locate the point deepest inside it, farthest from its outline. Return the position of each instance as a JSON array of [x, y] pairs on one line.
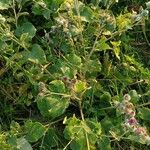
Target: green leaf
[[101, 45], [92, 67], [35, 131], [37, 55], [50, 139], [46, 13], [5, 4], [86, 14], [23, 144], [106, 97], [55, 103], [134, 96], [144, 113], [76, 130], [104, 144], [74, 60], [26, 28], [57, 86], [52, 106]]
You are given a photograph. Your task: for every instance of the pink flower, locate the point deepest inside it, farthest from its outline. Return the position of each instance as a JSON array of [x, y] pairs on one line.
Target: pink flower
[[132, 121]]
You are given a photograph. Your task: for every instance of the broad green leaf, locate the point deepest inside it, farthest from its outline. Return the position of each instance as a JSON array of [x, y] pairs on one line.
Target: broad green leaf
[[104, 144], [68, 72], [95, 126], [50, 139], [52, 106], [92, 66], [23, 144], [86, 14], [74, 60], [134, 96], [35, 131], [80, 86], [26, 28], [55, 104], [5, 4], [101, 45], [37, 55], [37, 8], [46, 13], [105, 97], [57, 86], [76, 131], [144, 113]]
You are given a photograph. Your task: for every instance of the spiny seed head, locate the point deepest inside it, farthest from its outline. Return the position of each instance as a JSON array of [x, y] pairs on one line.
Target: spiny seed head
[[127, 97]]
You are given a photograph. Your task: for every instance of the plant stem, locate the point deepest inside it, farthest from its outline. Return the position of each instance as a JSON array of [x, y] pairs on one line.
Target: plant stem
[[16, 18], [82, 116]]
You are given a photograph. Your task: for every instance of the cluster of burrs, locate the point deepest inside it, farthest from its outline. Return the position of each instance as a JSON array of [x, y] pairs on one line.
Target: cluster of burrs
[[131, 124]]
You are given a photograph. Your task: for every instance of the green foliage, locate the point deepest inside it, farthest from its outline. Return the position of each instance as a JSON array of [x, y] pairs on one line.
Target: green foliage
[[35, 131], [82, 134], [65, 66]]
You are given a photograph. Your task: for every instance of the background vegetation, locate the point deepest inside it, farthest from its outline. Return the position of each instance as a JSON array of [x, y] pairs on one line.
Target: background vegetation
[[74, 74]]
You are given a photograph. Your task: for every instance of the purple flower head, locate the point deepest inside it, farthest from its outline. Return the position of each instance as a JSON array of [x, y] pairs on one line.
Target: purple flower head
[[132, 121]]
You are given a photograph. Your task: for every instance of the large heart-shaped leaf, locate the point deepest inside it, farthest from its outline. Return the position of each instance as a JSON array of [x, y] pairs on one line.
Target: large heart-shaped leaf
[[52, 106], [26, 28]]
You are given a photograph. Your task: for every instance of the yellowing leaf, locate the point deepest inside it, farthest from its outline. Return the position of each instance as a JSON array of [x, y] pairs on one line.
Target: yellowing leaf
[[80, 86]]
